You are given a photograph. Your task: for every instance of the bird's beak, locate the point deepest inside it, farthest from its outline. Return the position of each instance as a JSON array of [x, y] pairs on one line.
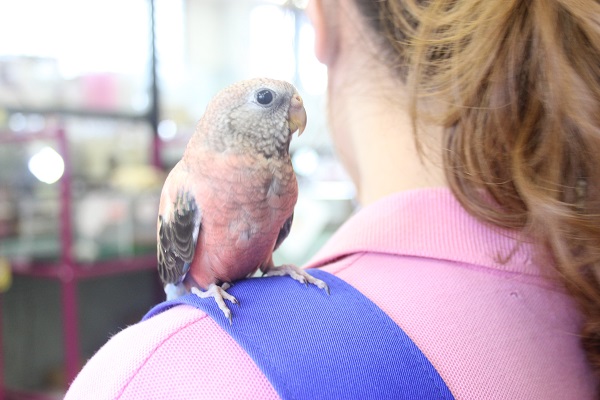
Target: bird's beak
[[297, 115]]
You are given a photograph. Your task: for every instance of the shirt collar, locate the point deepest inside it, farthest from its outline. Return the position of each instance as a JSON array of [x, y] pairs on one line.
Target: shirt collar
[[428, 223]]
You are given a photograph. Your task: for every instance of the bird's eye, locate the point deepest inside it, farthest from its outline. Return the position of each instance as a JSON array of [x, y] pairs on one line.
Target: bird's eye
[[264, 97]]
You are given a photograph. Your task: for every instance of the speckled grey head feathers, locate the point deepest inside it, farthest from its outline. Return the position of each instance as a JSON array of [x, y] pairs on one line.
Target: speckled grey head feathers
[[251, 115]]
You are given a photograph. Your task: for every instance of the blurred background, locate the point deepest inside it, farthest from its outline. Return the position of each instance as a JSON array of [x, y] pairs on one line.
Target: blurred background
[[97, 101]]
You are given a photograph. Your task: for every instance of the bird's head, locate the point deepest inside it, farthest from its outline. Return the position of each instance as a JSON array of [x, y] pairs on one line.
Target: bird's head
[[254, 115]]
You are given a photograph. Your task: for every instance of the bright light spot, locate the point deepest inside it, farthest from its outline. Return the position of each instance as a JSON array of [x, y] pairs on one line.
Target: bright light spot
[[167, 129], [305, 161], [313, 74], [47, 165], [271, 50]]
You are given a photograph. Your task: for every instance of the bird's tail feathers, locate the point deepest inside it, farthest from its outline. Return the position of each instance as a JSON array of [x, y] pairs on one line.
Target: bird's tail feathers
[[174, 291]]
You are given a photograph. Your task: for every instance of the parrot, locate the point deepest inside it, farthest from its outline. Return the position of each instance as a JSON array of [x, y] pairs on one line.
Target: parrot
[[228, 204]]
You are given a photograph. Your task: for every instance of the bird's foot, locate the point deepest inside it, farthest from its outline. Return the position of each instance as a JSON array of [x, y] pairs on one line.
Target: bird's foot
[[220, 295], [298, 274]]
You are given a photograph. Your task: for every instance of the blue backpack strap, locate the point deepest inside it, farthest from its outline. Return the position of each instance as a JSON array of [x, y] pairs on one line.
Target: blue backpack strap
[[314, 346]]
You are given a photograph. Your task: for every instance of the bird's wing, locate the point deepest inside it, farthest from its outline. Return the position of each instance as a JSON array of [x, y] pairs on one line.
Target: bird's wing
[[284, 231], [178, 230]]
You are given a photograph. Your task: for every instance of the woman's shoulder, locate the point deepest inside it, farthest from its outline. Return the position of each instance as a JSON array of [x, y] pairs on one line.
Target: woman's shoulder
[[108, 373], [172, 355], [476, 324]]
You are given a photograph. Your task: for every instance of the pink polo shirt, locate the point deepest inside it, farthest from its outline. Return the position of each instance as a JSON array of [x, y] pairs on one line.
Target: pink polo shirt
[[492, 330]]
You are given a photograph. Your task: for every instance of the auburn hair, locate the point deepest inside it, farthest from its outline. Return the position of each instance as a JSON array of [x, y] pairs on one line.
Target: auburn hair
[[519, 81]]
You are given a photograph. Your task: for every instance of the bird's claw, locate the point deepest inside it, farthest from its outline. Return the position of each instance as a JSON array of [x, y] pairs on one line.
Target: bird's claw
[[220, 295], [297, 274], [325, 287]]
